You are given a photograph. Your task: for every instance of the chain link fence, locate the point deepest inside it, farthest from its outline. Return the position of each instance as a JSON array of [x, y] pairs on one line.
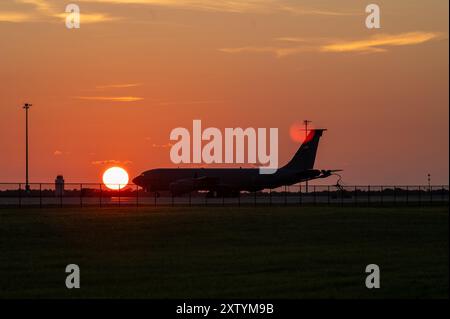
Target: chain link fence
[[81, 195]]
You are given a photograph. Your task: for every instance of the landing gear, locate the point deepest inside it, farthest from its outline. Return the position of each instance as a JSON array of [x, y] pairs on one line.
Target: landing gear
[[222, 193], [338, 182], [212, 194]]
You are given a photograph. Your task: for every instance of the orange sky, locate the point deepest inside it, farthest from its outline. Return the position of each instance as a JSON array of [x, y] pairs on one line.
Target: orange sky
[[111, 91]]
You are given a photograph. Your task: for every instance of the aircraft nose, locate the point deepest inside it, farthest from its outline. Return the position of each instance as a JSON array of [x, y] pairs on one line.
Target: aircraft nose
[[138, 180]]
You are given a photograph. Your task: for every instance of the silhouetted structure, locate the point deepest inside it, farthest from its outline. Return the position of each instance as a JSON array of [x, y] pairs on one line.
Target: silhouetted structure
[[59, 186], [306, 122], [27, 184]]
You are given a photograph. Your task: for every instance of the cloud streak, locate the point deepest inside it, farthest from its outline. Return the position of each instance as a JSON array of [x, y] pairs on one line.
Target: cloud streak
[[118, 86], [232, 6], [197, 102], [52, 11], [375, 44], [168, 145], [111, 162], [14, 17], [49, 11], [277, 51], [110, 98], [88, 18], [317, 12], [380, 43]]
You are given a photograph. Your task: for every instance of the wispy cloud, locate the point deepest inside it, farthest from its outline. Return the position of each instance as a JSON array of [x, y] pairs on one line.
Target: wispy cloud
[[196, 102], [109, 162], [374, 44], [121, 98], [299, 10], [87, 18], [41, 5], [110, 98], [49, 11], [277, 51], [233, 6], [206, 5], [118, 86], [380, 43], [168, 145], [14, 17]]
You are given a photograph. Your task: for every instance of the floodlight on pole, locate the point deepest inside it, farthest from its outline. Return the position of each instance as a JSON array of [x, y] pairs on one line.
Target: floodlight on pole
[[306, 122], [27, 183]]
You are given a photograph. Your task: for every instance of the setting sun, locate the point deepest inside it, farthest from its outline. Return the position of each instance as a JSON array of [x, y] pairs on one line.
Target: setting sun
[[115, 178]]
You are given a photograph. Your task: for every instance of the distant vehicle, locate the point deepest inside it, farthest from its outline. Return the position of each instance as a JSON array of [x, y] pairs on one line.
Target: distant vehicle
[[231, 181]]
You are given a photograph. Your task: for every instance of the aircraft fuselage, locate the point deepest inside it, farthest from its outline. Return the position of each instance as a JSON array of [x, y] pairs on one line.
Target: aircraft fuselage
[[181, 180]]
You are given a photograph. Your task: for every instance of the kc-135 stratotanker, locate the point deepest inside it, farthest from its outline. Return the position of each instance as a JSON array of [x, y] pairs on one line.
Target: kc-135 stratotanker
[[231, 181]]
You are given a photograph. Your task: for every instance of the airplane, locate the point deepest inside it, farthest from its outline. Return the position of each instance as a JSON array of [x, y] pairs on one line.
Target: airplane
[[232, 181]]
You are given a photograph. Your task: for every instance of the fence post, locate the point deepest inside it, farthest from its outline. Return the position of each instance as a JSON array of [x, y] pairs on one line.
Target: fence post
[[239, 198], [420, 196], [20, 195], [270, 196], [315, 195], [395, 195], [81, 195], [101, 194], [328, 195], [40, 195], [60, 199], [381, 194], [431, 194], [407, 195], [300, 200], [137, 195]]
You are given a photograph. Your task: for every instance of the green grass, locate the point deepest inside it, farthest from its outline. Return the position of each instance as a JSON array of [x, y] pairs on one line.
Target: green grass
[[225, 252]]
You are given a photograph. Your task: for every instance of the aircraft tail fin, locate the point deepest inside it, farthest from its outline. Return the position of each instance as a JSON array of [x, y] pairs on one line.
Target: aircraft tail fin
[[306, 155]]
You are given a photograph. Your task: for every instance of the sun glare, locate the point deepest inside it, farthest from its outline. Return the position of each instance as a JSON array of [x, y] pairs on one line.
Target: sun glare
[[297, 132], [115, 178]]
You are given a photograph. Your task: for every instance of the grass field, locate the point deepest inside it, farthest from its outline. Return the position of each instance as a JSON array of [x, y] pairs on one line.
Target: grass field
[[267, 252]]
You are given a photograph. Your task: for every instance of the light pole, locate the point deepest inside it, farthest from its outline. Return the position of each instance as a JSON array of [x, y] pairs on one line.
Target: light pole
[[27, 184], [306, 122]]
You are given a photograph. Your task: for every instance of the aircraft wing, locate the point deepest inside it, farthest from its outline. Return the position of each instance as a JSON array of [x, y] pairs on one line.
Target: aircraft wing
[[329, 172], [187, 185]]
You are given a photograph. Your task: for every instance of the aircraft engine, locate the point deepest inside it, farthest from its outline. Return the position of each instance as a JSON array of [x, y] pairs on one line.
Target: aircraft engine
[[183, 186]]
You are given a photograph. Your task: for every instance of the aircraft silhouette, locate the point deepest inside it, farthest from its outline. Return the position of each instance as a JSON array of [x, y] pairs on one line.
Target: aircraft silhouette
[[231, 181]]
